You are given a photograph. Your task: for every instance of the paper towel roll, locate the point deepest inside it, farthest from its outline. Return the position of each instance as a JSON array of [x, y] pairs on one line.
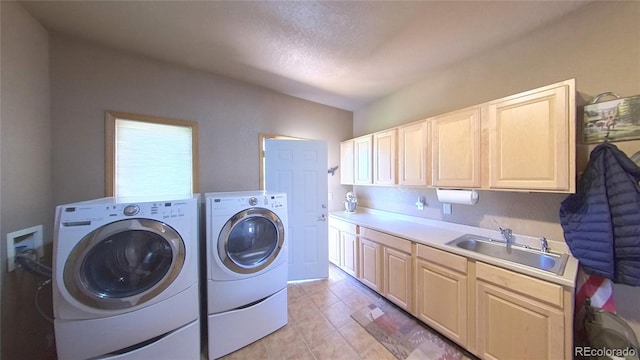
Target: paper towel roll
[[465, 197]]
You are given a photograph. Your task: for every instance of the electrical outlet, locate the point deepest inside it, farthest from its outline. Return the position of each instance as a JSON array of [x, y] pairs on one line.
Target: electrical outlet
[[22, 240], [446, 209]]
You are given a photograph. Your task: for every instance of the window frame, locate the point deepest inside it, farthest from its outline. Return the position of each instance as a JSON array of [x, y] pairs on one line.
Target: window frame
[[110, 144]]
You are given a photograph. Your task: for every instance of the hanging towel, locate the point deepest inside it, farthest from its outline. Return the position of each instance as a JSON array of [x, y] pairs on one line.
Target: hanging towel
[[601, 221]]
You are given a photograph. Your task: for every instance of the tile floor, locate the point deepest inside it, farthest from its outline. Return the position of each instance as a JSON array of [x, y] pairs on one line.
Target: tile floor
[[320, 326]]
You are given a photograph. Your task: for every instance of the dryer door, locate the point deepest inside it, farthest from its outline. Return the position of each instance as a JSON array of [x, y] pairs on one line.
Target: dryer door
[[251, 240], [124, 263]]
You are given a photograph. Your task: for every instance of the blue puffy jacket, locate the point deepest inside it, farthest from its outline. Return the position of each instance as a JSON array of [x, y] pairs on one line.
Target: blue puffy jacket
[[601, 221]]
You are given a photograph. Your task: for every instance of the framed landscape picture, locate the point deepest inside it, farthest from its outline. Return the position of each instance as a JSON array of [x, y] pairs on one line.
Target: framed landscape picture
[[614, 120]]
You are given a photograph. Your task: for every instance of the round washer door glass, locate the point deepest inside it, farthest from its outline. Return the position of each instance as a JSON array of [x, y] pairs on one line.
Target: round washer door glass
[[251, 240], [124, 263]]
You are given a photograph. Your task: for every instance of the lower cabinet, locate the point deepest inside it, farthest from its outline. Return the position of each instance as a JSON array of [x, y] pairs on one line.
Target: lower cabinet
[[334, 244], [386, 266], [441, 292], [520, 317], [343, 245], [397, 276], [371, 264], [493, 312]]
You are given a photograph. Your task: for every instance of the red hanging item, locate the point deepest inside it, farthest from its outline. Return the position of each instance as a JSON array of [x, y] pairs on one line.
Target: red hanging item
[[600, 292]]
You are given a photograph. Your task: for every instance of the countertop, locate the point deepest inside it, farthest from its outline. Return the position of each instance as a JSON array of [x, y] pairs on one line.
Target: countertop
[[436, 234]]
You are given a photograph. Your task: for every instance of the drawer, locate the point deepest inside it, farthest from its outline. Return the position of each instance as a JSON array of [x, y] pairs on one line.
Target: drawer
[[443, 258], [343, 225], [526, 285], [386, 239]]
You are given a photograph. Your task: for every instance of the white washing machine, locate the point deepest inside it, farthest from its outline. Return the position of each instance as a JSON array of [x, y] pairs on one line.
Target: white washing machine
[[125, 282], [247, 267]]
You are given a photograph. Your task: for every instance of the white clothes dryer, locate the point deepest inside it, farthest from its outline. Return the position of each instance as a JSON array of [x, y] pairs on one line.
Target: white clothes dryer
[[125, 282], [247, 267]]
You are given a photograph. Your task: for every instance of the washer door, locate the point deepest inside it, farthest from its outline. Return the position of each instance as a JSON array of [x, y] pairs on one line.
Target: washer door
[[250, 240], [124, 263]]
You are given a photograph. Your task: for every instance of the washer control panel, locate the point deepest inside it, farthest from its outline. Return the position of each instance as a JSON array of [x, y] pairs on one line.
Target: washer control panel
[[131, 210], [82, 215]]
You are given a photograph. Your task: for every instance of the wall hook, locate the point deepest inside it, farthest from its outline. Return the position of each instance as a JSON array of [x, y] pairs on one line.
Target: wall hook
[[332, 170]]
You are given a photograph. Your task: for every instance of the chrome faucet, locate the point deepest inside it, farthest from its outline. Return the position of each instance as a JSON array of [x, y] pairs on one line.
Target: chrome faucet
[[507, 234], [544, 246]]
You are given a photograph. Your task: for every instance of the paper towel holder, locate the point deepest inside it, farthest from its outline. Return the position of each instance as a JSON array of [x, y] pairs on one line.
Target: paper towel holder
[[457, 196]]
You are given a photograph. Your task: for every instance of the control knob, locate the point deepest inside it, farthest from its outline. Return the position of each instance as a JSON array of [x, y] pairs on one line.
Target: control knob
[[131, 210]]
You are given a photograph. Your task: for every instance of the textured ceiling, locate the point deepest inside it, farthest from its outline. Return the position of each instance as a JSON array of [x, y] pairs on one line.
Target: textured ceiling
[[340, 53]]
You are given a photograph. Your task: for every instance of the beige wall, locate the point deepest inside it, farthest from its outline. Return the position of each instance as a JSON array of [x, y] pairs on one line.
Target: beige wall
[[26, 174], [599, 46], [88, 79], [55, 90]]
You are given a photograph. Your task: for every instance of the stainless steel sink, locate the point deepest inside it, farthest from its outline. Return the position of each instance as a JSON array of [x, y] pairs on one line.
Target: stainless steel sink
[[549, 261]]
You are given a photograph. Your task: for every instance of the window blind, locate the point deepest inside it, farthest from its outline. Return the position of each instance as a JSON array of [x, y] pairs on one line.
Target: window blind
[[152, 159]]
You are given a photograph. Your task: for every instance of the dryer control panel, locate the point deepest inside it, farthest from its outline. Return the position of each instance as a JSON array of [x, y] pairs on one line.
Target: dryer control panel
[[278, 201], [266, 201]]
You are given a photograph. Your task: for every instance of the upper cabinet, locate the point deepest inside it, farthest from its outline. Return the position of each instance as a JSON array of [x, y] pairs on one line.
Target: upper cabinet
[[532, 140], [384, 157], [363, 156], [346, 162], [455, 149], [522, 142], [412, 154]]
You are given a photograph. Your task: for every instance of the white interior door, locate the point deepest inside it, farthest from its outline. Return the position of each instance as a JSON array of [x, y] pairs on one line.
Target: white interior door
[[299, 168]]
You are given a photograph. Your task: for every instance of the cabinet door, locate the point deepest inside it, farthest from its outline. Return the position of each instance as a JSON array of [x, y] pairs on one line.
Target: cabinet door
[[397, 277], [442, 299], [513, 326], [532, 140], [412, 154], [363, 162], [455, 148], [346, 162], [334, 245], [349, 243], [384, 157], [370, 264], [441, 292]]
